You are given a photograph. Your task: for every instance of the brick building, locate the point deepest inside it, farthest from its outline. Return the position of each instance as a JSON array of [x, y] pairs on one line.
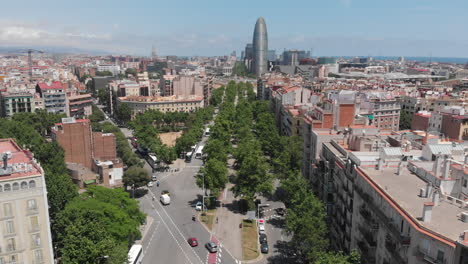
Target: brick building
[[421, 121], [91, 151]]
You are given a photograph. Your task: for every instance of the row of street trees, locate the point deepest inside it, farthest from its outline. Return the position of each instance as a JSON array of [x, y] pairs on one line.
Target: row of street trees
[[262, 155]]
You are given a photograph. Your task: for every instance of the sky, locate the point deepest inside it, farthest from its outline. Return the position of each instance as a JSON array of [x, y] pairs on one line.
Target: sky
[[218, 27]]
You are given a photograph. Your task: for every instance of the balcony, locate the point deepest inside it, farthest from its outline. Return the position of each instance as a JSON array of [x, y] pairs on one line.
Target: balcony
[[424, 255], [394, 252], [369, 237]]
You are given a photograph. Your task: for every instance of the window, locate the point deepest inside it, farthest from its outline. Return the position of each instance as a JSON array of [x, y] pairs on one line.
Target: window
[[34, 223], [11, 244], [15, 186], [38, 255], [2, 260], [440, 256], [465, 182], [7, 209], [7, 187], [36, 240], [1, 190], [32, 204], [10, 227], [24, 185], [32, 184], [13, 259]]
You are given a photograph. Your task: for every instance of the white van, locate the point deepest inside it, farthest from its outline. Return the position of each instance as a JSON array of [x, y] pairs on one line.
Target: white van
[[165, 199]]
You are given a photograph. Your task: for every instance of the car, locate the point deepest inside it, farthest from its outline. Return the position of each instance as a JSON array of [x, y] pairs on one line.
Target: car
[[150, 184], [154, 178], [165, 192], [264, 248], [199, 206], [212, 247], [262, 238], [261, 225], [281, 211], [193, 242]]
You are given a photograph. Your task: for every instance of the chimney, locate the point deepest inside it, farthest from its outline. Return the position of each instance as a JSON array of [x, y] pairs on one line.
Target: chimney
[[428, 189], [435, 168], [465, 237], [436, 198], [5, 161], [447, 163], [400, 167], [427, 212]]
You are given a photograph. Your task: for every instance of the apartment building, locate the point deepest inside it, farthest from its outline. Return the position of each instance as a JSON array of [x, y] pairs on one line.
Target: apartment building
[[24, 209], [392, 199], [54, 96], [139, 104], [16, 102], [80, 105]]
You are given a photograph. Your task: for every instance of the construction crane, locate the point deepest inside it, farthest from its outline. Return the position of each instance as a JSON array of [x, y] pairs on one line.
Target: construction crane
[[30, 51]]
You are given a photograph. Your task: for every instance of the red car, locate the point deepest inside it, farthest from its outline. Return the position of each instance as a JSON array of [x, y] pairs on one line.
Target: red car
[[192, 241]]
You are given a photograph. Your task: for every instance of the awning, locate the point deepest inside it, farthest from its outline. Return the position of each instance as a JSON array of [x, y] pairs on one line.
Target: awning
[[89, 182]]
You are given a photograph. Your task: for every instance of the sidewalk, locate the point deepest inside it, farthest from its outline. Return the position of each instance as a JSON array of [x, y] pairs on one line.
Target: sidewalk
[[227, 229]]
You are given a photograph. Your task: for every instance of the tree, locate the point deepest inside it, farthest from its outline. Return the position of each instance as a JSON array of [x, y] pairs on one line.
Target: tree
[[103, 96], [100, 222], [339, 258], [124, 112], [104, 73], [405, 120], [131, 71], [97, 115], [215, 176], [136, 176]]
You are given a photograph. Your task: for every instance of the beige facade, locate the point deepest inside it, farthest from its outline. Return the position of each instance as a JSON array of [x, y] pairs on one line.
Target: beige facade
[[24, 215], [140, 104]]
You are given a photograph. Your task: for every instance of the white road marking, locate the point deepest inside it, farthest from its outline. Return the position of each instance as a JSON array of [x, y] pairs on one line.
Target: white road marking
[[177, 228], [151, 239], [170, 232]]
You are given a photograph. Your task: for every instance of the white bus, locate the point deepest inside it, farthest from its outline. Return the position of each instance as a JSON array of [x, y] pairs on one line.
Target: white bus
[[199, 152], [207, 131], [135, 255]]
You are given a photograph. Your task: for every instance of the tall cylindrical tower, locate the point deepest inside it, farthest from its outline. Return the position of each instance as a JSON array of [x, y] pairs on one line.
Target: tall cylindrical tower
[[260, 47]]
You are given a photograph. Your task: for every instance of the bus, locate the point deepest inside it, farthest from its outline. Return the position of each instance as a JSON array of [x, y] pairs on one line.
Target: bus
[[188, 156], [135, 255], [153, 160], [199, 152], [193, 148], [207, 131]]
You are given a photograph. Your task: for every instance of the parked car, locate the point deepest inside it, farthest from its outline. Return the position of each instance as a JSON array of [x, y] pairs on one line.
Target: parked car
[[261, 225], [212, 247], [199, 206], [193, 242], [165, 192], [264, 248], [262, 238], [150, 184]]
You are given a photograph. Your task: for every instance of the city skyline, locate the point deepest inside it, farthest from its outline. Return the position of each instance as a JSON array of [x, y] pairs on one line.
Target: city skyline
[[334, 28]]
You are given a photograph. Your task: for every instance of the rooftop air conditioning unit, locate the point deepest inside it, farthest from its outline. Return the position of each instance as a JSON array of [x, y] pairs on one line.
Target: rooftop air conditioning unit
[[464, 217]]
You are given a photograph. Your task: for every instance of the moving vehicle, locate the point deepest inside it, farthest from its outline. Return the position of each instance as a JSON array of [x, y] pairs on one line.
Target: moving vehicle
[[154, 177], [165, 192], [188, 156], [165, 199], [150, 184], [199, 152], [153, 160], [135, 255], [264, 248], [193, 148], [193, 242], [212, 247], [262, 238], [199, 206], [207, 131], [134, 142]]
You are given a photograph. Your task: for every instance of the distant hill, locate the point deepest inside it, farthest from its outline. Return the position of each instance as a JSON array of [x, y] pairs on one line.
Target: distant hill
[[53, 50]]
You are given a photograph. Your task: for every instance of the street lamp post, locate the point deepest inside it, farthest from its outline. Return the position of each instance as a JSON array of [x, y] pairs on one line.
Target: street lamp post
[[133, 190]]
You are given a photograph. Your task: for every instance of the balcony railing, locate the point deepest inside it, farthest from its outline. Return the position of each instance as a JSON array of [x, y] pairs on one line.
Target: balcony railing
[[394, 252]]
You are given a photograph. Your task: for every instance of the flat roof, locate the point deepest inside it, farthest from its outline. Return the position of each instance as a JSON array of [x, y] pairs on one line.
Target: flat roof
[[21, 161], [404, 190]]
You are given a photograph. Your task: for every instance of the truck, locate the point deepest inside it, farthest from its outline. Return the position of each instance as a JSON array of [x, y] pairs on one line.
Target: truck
[[199, 152], [165, 199]]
